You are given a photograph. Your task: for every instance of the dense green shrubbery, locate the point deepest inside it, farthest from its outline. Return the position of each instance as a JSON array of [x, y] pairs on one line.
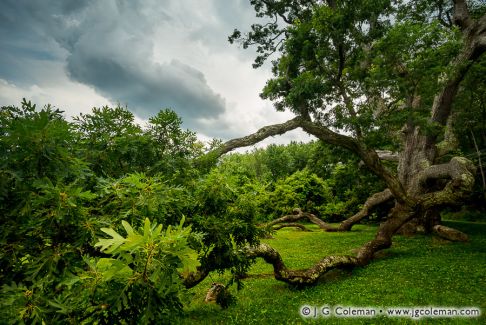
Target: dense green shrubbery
[[302, 189], [63, 184], [139, 281], [332, 186]]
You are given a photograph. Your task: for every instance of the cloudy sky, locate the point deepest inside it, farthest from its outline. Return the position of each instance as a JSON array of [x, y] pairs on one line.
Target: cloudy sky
[[147, 55]]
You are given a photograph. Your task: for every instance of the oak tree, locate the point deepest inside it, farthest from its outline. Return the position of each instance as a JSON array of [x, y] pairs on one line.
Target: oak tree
[[380, 79]]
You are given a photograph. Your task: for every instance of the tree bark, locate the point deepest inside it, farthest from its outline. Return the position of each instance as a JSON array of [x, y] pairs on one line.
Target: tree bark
[[298, 214], [261, 134], [373, 201], [194, 278], [388, 155], [417, 167], [299, 277], [291, 224], [400, 214], [450, 233]]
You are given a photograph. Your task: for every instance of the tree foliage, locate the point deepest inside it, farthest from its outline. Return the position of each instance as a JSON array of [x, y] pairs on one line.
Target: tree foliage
[[66, 185]]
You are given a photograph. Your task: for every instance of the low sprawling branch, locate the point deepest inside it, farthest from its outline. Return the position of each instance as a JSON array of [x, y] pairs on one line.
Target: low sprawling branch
[[373, 201], [299, 277], [298, 214], [194, 278], [398, 217], [450, 233], [292, 225]]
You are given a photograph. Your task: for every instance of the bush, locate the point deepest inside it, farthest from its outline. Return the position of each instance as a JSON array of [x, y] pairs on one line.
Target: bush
[[139, 281], [302, 189]]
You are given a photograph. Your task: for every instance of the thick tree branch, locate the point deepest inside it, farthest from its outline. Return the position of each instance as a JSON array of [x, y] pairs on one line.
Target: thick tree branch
[[373, 201], [291, 224], [450, 233], [474, 46], [460, 172], [298, 214], [401, 215], [461, 15], [299, 277], [474, 36], [194, 278], [387, 155], [261, 134], [369, 157]]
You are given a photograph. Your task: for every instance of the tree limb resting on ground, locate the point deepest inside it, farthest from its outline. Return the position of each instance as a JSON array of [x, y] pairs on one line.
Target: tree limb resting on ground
[[373, 201], [298, 214], [299, 277], [291, 224], [194, 278], [450, 233]]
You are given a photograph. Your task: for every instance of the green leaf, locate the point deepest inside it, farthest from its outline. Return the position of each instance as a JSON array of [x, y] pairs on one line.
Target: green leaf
[[146, 228], [111, 268], [128, 227], [110, 245]]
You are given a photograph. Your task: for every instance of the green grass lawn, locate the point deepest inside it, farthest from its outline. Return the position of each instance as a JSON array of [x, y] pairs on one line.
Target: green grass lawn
[[416, 272]]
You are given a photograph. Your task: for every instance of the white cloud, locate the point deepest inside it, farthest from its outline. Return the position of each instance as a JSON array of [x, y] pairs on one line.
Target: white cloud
[[73, 98]]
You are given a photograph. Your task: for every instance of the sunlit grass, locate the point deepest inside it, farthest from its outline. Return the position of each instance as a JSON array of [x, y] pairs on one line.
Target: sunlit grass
[[416, 271]]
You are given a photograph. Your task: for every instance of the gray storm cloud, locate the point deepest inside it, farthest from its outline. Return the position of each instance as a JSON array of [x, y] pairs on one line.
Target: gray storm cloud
[[108, 45], [146, 54], [110, 49]]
